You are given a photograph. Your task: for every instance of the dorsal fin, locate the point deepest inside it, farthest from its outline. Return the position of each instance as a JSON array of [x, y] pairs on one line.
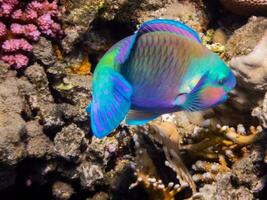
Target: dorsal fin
[[171, 26], [167, 25]]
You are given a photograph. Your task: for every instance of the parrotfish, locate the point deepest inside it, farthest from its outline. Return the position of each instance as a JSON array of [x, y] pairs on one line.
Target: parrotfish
[[161, 68]]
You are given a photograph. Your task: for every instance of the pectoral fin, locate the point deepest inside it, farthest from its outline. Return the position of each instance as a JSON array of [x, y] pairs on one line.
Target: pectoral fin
[[111, 101], [193, 101]]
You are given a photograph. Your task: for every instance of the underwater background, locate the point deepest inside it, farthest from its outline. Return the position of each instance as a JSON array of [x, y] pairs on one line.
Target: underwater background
[[48, 54]]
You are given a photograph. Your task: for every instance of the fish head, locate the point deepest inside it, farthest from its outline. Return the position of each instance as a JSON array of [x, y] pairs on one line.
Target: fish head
[[221, 76], [212, 87], [219, 81]]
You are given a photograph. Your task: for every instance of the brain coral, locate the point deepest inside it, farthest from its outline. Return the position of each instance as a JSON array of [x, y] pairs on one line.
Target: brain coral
[[21, 23], [246, 7]]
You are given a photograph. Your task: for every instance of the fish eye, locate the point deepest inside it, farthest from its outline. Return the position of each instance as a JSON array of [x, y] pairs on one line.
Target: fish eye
[[222, 81]]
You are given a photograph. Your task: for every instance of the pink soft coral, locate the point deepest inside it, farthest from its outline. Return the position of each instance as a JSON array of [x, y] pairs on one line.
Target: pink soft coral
[[14, 45], [21, 24], [17, 60], [2, 29], [7, 6], [29, 31]]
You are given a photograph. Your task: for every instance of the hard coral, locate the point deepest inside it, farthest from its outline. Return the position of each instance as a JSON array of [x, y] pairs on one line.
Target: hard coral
[[22, 23], [151, 173], [246, 7]]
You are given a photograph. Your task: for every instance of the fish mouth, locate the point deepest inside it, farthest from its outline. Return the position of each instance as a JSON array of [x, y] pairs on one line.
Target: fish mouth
[[230, 84], [223, 99]]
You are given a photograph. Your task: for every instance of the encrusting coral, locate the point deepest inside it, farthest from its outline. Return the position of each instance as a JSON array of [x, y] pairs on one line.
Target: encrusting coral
[[215, 147], [22, 23], [219, 141], [147, 171], [261, 112], [246, 7]]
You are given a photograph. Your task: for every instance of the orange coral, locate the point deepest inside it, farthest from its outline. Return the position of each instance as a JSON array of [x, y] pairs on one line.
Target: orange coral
[[84, 68]]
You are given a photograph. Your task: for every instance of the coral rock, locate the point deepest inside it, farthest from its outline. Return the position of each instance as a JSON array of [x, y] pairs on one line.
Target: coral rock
[[39, 147], [43, 51], [99, 196], [90, 174], [77, 19], [12, 126], [69, 141], [261, 112], [246, 7], [62, 191], [247, 54], [223, 190]]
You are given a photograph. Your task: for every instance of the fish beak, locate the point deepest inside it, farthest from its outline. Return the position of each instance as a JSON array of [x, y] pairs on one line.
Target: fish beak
[[229, 85]]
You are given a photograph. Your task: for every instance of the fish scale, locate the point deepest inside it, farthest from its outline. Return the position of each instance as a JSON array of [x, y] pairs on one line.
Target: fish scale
[[146, 66]]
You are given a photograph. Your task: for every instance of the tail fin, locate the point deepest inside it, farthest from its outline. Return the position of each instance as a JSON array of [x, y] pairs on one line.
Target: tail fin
[[111, 101]]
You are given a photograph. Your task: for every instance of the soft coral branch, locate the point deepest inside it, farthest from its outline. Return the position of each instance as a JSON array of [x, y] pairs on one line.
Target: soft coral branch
[[13, 45], [18, 60], [23, 23], [29, 31], [2, 29]]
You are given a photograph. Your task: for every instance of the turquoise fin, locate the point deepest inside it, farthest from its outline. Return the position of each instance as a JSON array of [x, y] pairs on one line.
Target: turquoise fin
[[136, 117], [111, 101]]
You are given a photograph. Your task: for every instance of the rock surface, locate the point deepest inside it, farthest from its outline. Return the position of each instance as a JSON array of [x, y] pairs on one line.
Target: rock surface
[[246, 54], [246, 7]]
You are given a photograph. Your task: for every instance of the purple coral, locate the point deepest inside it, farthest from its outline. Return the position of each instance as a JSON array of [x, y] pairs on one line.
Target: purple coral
[[21, 24]]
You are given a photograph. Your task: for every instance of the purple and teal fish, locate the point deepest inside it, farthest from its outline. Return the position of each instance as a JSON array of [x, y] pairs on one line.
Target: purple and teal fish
[[162, 68]]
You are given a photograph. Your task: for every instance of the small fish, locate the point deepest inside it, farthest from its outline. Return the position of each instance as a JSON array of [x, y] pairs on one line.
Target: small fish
[[162, 68]]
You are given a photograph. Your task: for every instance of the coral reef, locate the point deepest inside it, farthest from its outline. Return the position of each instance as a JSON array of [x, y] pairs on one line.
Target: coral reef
[[242, 61], [225, 146], [83, 14], [21, 24], [153, 178], [46, 147]]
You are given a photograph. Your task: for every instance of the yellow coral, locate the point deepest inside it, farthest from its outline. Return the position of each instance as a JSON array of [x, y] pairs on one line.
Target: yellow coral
[[84, 68]]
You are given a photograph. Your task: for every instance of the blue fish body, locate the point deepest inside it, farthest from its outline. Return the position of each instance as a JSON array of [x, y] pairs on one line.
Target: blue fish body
[[162, 68]]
